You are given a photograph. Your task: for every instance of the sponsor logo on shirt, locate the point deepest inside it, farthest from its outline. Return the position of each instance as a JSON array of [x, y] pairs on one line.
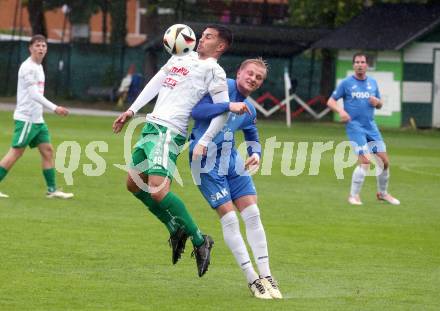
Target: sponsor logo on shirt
[[170, 82], [360, 95], [180, 70]]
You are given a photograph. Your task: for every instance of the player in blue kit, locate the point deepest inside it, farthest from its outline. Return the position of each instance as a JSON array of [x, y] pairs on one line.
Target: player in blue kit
[[361, 96], [223, 177]]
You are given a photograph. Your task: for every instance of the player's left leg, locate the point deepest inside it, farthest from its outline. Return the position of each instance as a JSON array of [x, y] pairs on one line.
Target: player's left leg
[[256, 236], [46, 151], [383, 179]]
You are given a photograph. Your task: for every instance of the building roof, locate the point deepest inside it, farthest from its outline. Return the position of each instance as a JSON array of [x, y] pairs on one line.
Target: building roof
[[265, 41], [383, 27]]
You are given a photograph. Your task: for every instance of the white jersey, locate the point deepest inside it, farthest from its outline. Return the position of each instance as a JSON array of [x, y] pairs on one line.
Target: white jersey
[[29, 110], [188, 79]]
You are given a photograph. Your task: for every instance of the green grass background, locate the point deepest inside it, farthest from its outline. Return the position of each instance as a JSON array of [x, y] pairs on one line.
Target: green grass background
[[104, 251]]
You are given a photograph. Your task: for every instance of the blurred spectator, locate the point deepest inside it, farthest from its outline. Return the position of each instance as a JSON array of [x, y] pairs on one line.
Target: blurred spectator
[[124, 87]]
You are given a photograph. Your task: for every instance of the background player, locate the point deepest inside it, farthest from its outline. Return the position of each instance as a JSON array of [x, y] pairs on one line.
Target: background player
[[228, 184], [180, 83], [30, 128], [361, 96]]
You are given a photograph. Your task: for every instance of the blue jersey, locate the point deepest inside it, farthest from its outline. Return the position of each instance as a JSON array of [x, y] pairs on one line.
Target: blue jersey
[[356, 94], [205, 110], [227, 178], [361, 130]]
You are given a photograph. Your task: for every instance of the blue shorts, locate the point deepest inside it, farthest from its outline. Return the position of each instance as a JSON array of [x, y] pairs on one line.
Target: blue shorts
[[226, 181], [365, 140]]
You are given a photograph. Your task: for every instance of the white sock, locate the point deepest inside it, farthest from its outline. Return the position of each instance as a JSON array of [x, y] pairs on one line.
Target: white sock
[[357, 180], [382, 181], [256, 238], [235, 242]]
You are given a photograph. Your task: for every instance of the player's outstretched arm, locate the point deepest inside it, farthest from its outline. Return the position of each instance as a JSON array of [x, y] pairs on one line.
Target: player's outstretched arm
[[149, 91], [206, 110]]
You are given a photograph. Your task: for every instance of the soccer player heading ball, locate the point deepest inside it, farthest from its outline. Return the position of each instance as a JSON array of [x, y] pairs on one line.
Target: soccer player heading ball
[[179, 84]]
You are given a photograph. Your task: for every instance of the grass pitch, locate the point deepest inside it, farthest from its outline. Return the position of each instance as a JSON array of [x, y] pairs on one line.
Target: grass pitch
[[104, 251]]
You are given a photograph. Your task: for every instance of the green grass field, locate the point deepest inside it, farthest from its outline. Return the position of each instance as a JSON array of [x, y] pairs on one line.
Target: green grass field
[[104, 251]]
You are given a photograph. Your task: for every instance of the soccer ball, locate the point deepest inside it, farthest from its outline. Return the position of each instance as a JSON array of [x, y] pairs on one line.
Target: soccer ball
[[179, 40]]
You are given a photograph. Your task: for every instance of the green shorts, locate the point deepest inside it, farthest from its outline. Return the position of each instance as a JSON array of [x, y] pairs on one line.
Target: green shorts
[[30, 134], [157, 150]]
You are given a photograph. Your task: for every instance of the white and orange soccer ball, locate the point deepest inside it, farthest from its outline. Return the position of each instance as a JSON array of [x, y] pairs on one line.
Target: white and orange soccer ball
[[179, 40]]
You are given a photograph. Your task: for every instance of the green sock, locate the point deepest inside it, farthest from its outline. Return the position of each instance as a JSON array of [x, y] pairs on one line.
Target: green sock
[[49, 176], [177, 208], [3, 172], [163, 215]]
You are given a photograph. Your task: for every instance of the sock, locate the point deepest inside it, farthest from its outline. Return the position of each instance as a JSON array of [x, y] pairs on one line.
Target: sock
[[49, 176], [256, 238], [357, 180], [154, 208], [3, 173], [176, 208], [382, 181], [235, 242]]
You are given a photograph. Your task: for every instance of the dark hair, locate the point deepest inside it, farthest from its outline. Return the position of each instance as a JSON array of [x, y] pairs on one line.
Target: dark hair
[[223, 32], [36, 38], [360, 54]]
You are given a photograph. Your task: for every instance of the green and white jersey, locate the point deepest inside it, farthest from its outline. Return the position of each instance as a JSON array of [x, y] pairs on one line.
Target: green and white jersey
[[30, 90], [187, 80]]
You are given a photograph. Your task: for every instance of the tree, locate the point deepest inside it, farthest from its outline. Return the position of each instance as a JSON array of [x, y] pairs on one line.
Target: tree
[[118, 13], [36, 17]]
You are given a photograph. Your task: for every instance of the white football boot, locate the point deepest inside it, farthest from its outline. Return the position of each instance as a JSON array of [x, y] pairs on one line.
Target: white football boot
[[388, 198], [354, 200], [272, 287], [258, 290], [59, 195], [2, 195]]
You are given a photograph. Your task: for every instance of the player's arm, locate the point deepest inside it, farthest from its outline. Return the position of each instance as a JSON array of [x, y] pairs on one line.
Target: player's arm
[[206, 110], [376, 100], [34, 93], [333, 105], [148, 93], [218, 89]]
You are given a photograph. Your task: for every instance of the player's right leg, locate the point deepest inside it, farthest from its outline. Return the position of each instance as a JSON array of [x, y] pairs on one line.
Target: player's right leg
[[7, 162]]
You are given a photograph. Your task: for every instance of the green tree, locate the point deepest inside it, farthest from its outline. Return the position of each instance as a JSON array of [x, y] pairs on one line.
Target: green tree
[[36, 16], [118, 12]]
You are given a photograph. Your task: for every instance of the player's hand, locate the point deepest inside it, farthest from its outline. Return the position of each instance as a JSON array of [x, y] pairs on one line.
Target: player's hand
[[198, 151], [238, 107], [375, 102], [252, 163], [61, 111], [118, 124], [345, 117]]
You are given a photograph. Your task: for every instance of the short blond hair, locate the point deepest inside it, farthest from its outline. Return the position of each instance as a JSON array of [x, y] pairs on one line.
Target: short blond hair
[[259, 61]]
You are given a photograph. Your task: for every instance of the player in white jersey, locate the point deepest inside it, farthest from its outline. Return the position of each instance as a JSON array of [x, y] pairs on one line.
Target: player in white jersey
[[180, 83], [30, 129]]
